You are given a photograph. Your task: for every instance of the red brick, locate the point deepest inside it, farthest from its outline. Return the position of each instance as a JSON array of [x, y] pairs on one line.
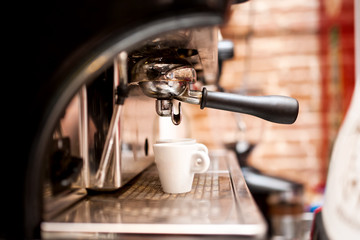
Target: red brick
[[282, 57], [277, 6]]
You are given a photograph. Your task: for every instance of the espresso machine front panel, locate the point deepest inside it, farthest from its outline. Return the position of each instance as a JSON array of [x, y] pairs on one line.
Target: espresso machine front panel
[[75, 161]]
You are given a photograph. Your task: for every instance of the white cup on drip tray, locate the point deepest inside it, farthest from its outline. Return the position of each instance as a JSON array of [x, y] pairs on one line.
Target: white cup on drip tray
[[177, 161]]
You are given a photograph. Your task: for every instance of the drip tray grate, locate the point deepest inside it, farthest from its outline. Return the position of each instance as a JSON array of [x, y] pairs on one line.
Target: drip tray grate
[[205, 186]]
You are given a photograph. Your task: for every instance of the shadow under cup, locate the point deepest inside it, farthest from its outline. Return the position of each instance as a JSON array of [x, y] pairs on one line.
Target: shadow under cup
[[177, 164]]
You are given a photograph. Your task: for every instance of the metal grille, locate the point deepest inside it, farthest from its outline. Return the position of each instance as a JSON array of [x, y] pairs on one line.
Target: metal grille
[[205, 186]]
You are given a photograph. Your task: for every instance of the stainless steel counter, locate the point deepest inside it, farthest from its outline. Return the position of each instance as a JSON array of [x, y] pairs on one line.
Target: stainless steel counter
[[218, 205]]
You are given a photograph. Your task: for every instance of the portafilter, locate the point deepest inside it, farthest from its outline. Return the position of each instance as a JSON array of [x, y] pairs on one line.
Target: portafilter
[[168, 78]]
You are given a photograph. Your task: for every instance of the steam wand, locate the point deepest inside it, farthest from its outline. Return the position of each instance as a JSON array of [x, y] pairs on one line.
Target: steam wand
[[119, 95]]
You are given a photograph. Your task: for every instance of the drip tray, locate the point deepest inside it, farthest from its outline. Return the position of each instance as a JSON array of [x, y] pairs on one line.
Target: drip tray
[[218, 204]]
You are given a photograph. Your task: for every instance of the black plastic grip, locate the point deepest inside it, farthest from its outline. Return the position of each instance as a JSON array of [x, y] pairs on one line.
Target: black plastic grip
[[277, 109]]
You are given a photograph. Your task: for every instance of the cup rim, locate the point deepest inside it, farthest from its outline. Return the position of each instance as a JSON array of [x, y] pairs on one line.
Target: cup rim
[[175, 145], [175, 140]]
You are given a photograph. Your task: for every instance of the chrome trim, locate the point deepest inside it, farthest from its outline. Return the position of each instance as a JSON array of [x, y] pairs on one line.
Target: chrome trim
[[83, 134]]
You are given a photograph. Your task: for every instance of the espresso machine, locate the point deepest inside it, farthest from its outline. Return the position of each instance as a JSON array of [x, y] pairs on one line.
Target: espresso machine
[[109, 71]]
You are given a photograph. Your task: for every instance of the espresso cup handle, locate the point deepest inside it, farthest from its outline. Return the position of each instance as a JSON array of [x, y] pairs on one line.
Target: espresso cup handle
[[202, 147], [201, 162]]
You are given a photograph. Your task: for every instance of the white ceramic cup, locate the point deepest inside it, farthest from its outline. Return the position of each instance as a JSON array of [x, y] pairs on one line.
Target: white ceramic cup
[[177, 164]]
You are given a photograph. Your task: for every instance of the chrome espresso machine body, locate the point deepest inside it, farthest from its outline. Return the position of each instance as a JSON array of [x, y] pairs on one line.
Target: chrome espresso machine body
[[102, 73]]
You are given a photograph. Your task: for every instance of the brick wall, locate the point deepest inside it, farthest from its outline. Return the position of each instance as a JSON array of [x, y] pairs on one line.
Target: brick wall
[[276, 50]]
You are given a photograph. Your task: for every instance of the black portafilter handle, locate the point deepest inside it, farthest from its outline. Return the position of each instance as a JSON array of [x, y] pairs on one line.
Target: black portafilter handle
[[277, 109]]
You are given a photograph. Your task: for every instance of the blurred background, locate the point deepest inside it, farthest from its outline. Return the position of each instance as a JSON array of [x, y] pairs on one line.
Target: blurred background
[[302, 49]]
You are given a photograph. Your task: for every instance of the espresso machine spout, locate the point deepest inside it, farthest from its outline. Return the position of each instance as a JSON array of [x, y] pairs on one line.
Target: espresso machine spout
[[165, 108]]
